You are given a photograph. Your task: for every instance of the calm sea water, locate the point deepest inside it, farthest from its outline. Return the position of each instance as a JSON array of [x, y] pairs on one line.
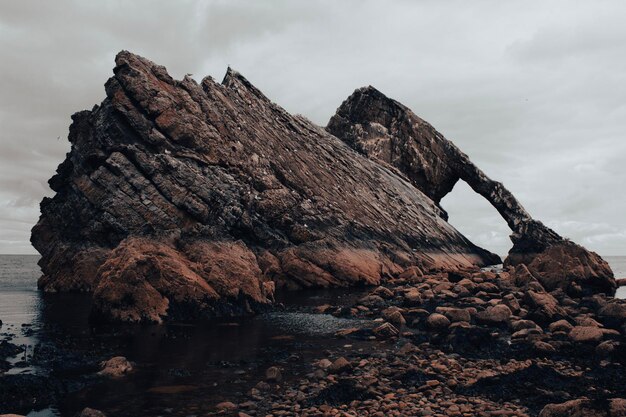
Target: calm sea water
[[182, 369]]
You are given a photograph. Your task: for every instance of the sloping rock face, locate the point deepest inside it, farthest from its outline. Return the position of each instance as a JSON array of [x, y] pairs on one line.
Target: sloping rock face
[[392, 134], [181, 199]]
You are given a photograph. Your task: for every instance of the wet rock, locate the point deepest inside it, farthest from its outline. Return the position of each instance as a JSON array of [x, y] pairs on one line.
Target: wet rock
[[586, 334], [343, 391], [455, 314], [394, 316], [324, 363], [90, 412], [437, 321], [544, 306], [226, 406], [560, 326], [115, 367], [340, 365], [518, 325], [407, 348], [273, 374], [385, 331], [581, 407], [494, 315], [613, 314], [607, 348], [383, 292], [413, 297], [617, 407], [511, 301]]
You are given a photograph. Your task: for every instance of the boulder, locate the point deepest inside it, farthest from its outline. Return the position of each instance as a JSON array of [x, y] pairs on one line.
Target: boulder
[[273, 374], [581, 407], [586, 334], [544, 307], [90, 412], [385, 331], [340, 365], [560, 326], [115, 367], [182, 200], [437, 321], [455, 314], [494, 315]]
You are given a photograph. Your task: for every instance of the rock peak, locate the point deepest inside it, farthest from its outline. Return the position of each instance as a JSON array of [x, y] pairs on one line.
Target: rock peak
[[180, 200]]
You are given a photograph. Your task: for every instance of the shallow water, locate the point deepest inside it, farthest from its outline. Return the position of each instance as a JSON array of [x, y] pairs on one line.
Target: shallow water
[[182, 369]]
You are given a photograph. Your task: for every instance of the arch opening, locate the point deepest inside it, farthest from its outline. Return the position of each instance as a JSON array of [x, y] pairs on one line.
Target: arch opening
[[473, 216]]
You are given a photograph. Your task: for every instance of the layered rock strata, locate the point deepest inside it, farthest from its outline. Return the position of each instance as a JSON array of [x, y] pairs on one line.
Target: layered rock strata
[[180, 200], [391, 134]]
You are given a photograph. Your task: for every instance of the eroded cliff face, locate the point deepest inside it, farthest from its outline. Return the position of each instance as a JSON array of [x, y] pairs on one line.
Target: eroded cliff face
[[181, 199], [390, 133]]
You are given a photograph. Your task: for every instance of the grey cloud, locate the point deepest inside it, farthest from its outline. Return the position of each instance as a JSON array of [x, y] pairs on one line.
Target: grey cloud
[[533, 92]]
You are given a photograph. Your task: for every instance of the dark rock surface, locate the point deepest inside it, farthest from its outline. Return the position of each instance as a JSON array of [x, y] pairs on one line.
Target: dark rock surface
[[185, 199], [392, 134]]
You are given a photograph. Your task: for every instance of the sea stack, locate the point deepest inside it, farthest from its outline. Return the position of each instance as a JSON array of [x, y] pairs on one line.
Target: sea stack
[[391, 134], [181, 200]]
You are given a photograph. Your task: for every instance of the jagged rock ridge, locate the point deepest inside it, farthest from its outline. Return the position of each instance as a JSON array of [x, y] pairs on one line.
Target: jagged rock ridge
[[181, 199], [392, 134]]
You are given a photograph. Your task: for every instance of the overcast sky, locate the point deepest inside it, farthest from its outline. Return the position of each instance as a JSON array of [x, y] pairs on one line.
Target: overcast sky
[[534, 92]]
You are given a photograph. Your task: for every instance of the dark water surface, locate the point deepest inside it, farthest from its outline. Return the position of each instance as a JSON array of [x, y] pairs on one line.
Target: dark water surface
[[181, 369]]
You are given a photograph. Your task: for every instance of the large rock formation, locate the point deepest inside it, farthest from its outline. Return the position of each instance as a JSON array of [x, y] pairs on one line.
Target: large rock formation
[[393, 135], [180, 199]]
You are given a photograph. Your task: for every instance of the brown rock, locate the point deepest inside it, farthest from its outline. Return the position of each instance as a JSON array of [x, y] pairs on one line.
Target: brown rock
[[606, 348], [566, 265], [511, 302], [413, 297], [523, 324], [340, 365], [544, 347], [385, 331], [581, 407], [116, 367], [498, 314], [394, 316], [205, 176], [455, 314], [544, 306], [273, 374], [437, 321], [390, 133], [560, 326], [617, 407], [586, 334], [90, 412], [226, 406]]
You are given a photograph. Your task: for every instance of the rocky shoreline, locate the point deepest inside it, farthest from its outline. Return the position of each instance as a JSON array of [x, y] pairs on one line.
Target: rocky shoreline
[[183, 201], [469, 343], [474, 343]]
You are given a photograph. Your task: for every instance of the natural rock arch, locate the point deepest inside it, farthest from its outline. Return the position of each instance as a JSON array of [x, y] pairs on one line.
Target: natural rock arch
[[392, 134]]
